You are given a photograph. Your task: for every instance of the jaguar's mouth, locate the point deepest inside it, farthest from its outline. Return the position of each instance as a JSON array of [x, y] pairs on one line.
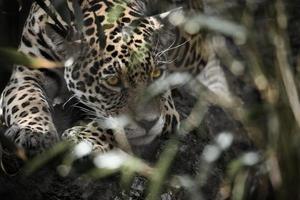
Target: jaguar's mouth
[[143, 132]]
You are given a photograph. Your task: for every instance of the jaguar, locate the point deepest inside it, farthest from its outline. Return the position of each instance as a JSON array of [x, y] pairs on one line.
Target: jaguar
[[110, 52]]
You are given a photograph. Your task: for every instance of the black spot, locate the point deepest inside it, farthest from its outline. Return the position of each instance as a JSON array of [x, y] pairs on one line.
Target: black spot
[[97, 89], [92, 99], [32, 98], [26, 41], [14, 109], [107, 60], [88, 79], [110, 48], [96, 7], [109, 131], [94, 52], [11, 99], [76, 68], [103, 138], [95, 68], [20, 88], [114, 54], [100, 129], [95, 134], [88, 21], [34, 110], [38, 118], [46, 110], [95, 124], [8, 119], [92, 41], [27, 78], [45, 54], [166, 107], [24, 114], [71, 85], [101, 18], [41, 17], [137, 31], [142, 25], [90, 31], [135, 14], [25, 104], [39, 128], [21, 69], [125, 19], [75, 74], [41, 40], [117, 40]]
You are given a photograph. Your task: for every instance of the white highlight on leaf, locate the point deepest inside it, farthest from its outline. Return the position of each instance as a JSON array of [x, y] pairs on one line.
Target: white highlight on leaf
[[211, 153], [177, 18], [83, 148], [110, 160], [63, 170], [118, 122], [237, 68], [250, 158], [224, 140], [173, 80], [192, 27]]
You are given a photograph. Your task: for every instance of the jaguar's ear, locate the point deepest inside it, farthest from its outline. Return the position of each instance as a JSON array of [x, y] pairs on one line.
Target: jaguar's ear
[[160, 20], [59, 42], [155, 23], [54, 34], [66, 47]]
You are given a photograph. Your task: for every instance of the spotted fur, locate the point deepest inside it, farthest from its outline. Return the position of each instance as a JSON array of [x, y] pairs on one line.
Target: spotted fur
[[109, 46]]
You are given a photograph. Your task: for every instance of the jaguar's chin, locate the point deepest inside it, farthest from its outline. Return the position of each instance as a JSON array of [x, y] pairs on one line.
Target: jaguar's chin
[[142, 133]]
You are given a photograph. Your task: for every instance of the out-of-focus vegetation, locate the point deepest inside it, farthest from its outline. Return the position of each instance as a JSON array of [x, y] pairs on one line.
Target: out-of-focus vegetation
[[257, 42]]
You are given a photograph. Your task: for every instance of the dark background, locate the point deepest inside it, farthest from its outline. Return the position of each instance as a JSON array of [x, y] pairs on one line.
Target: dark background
[[11, 23]]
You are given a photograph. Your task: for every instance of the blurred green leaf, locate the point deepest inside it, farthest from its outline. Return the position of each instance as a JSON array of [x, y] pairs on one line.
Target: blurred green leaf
[[161, 169], [13, 56], [43, 158]]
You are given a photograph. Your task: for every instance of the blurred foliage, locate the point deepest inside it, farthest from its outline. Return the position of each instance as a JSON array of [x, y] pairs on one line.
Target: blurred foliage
[[13, 56]]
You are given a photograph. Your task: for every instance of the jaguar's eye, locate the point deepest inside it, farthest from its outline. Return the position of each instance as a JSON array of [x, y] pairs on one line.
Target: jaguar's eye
[[156, 73], [112, 80]]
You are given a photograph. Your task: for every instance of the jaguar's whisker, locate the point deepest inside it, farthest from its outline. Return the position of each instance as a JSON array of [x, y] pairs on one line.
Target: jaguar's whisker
[[171, 48], [72, 97]]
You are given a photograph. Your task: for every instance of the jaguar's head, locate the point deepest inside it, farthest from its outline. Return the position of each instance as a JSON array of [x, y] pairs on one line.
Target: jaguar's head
[[117, 62]]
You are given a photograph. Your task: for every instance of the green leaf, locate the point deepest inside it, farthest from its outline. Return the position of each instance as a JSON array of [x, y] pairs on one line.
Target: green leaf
[[9, 55], [160, 171], [41, 159]]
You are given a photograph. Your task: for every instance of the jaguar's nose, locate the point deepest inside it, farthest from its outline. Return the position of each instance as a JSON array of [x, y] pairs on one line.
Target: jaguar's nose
[[147, 125]]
